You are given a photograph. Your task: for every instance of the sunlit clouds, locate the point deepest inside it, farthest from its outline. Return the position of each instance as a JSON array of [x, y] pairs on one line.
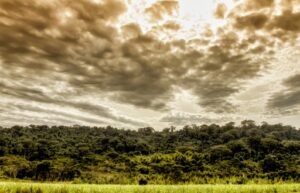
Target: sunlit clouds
[[134, 63]]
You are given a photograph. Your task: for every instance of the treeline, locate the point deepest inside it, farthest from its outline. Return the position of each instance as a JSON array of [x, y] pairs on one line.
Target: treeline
[[193, 154]]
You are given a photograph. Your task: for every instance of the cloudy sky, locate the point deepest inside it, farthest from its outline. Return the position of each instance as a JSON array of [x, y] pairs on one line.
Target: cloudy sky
[[135, 63]]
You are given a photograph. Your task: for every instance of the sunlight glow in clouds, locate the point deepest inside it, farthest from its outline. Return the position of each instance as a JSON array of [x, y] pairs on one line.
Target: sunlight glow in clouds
[[136, 63], [191, 15]]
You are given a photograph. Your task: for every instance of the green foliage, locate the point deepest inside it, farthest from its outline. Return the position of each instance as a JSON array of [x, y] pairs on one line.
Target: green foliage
[[194, 154]]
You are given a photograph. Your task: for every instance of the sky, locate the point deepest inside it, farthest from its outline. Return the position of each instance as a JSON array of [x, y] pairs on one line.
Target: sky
[[139, 63]]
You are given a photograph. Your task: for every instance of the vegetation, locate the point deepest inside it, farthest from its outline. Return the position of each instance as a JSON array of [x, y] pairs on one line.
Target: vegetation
[[69, 188], [206, 154]]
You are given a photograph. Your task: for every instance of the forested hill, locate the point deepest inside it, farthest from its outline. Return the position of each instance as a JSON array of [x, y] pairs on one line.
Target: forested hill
[[194, 154]]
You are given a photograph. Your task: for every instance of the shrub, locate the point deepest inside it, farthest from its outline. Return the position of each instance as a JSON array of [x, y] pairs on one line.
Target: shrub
[[143, 181]]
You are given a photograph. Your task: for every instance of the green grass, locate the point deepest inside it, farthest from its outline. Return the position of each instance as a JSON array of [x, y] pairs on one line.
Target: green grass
[[20, 187]]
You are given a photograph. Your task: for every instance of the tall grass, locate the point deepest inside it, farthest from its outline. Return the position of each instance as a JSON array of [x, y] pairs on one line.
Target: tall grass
[[18, 187]]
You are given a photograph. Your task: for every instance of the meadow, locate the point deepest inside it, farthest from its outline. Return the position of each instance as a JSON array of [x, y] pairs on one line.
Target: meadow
[[23, 187]]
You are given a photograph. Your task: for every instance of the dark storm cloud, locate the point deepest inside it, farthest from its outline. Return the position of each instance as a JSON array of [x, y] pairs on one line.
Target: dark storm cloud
[[278, 20], [218, 73], [285, 99], [293, 82], [255, 21], [131, 30], [258, 4], [79, 44], [170, 25], [289, 98], [287, 21], [9, 119], [160, 9], [85, 47], [30, 95], [21, 108]]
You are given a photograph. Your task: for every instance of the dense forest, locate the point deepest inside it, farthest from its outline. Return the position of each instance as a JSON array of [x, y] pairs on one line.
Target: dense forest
[[194, 154]]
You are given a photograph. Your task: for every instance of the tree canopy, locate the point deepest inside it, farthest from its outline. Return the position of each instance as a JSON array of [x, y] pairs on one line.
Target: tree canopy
[[193, 154]]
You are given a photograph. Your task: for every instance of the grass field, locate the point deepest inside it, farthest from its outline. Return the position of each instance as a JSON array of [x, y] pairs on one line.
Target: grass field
[[11, 187]]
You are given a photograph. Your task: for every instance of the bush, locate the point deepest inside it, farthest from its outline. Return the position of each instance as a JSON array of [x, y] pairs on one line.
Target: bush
[[143, 181]]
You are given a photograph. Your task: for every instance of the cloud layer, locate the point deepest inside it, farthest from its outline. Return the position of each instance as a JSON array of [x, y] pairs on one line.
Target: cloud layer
[[62, 52], [287, 99]]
